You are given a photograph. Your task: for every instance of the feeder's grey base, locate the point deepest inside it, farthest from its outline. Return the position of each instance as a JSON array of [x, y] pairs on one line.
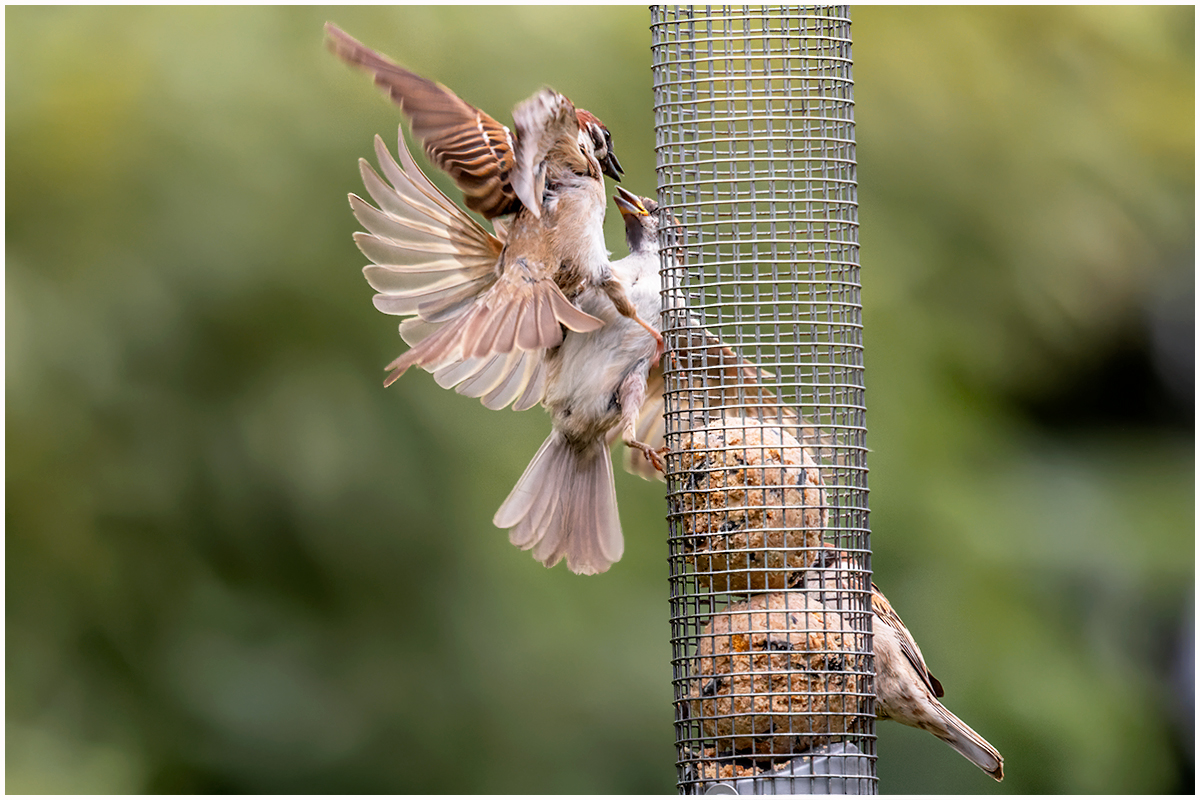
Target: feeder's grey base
[[835, 769]]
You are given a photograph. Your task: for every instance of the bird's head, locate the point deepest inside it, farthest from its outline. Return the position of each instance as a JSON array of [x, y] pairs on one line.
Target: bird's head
[[590, 124], [641, 220]]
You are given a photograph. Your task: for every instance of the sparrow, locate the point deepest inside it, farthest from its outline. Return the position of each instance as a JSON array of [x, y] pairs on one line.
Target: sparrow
[[545, 180], [565, 503], [905, 690]]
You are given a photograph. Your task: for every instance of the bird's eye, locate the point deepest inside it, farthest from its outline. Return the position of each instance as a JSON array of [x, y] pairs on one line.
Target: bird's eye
[[603, 143]]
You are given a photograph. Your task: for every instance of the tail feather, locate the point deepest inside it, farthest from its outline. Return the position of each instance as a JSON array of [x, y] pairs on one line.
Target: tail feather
[[971, 745], [528, 501], [565, 506]]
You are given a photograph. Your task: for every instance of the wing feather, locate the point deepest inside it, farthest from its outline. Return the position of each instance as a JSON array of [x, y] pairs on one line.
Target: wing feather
[[472, 147]]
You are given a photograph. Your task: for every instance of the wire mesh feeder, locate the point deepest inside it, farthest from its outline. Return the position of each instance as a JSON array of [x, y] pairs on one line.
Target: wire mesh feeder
[[771, 651]]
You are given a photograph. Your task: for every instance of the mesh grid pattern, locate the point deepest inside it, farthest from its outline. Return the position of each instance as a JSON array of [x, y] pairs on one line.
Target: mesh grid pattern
[[767, 490]]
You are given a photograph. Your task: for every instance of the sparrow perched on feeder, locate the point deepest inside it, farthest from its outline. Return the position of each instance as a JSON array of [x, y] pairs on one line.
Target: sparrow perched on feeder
[[565, 504], [548, 176], [905, 691]]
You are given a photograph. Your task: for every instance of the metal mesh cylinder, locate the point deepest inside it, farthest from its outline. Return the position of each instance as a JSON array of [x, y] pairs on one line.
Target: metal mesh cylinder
[[766, 470]]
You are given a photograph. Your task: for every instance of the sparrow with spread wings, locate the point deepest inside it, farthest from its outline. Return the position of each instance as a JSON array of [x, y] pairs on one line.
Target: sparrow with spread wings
[[481, 298], [597, 385]]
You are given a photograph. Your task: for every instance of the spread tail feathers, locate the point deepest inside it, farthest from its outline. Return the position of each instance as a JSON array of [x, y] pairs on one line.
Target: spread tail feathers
[[565, 505]]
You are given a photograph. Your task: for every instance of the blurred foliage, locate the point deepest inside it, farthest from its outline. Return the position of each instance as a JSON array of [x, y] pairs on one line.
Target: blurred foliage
[[235, 563]]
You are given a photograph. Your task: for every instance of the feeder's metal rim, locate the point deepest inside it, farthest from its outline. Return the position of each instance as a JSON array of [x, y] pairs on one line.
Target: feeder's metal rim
[[827, 83], [740, 261], [790, 198], [854, 470], [765, 94], [728, 217], [857, 470], [761, 55], [692, 294], [816, 100], [798, 15], [686, 165], [783, 176], [769, 137], [738, 136], [841, 305], [780, 199], [771, 423], [697, 249], [738, 159], [777, 239], [743, 406], [758, 404], [831, 81], [689, 352], [733, 17], [676, 21]]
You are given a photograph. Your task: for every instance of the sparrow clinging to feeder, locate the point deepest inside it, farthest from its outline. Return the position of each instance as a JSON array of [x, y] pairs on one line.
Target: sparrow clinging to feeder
[[905, 690]]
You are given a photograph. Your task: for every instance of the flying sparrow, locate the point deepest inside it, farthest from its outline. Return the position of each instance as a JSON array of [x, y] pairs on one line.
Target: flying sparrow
[[565, 504], [905, 691], [548, 176]]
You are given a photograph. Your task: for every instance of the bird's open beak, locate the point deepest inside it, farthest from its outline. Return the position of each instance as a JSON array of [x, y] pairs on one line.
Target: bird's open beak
[[609, 164], [629, 204], [611, 167]]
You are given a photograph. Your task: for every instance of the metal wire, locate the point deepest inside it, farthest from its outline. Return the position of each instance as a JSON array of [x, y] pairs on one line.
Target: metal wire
[[771, 636]]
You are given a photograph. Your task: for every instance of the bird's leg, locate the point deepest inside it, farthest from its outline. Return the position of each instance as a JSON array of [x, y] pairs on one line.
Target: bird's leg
[[620, 300], [630, 395]]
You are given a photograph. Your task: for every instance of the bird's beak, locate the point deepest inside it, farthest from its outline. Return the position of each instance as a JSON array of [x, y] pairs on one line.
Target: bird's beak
[[629, 204], [610, 165]]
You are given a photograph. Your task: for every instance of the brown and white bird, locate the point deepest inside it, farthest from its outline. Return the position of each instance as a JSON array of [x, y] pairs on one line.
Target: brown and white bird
[[547, 176], [905, 690], [565, 504]]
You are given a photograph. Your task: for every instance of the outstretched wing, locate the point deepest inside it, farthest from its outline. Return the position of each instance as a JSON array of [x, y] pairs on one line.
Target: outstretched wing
[[472, 147], [432, 263]]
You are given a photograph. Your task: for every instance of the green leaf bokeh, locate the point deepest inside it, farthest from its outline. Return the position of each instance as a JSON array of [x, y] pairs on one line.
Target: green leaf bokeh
[[235, 563]]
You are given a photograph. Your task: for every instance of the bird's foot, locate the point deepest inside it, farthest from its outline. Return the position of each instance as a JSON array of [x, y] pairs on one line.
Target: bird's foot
[[652, 455]]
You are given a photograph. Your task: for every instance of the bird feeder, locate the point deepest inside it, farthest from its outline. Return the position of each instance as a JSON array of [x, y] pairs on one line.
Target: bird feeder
[[763, 400]]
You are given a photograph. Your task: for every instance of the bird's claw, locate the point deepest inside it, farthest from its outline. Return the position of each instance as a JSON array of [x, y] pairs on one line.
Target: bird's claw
[[652, 455], [660, 347]]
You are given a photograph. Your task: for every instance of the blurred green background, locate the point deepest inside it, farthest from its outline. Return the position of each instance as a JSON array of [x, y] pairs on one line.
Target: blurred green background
[[235, 563]]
